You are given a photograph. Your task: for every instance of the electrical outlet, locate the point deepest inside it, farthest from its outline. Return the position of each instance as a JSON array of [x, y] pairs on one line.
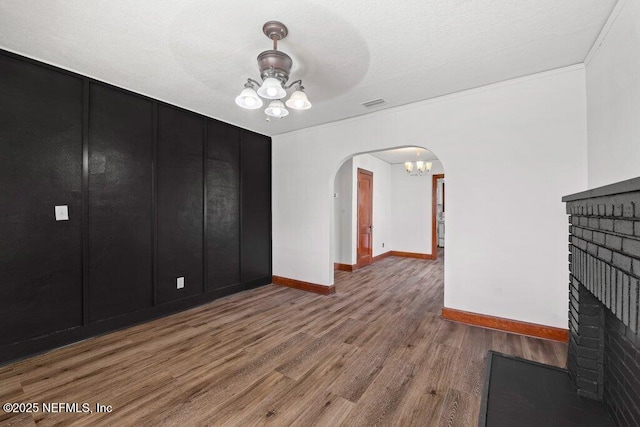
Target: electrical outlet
[[180, 283], [62, 213]]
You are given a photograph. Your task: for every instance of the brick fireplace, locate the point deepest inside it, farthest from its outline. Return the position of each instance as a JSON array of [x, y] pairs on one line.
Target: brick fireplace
[[604, 265]]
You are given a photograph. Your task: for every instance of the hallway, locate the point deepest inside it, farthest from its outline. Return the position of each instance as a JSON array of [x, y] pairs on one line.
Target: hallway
[[375, 353]]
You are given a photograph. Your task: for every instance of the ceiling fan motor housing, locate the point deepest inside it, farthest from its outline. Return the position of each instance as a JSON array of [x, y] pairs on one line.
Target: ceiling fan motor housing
[[274, 63]]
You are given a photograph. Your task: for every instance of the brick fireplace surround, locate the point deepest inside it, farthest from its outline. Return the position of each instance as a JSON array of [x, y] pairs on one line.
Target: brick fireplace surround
[[604, 265]]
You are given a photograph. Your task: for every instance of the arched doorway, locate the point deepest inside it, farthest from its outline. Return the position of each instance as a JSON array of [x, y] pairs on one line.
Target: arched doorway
[[408, 209]]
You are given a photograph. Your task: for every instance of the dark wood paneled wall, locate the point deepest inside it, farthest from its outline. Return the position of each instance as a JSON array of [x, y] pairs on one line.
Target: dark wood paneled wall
[[223, 205], [120, 155], [40, 167], [155, 192], [180, 203], [256, 198]]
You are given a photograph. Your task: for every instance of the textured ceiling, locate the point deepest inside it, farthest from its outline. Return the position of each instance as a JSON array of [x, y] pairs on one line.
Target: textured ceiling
[[406, 154], [198, 53]]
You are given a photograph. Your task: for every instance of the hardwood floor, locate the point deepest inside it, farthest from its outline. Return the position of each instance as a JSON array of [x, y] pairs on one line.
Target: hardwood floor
[[375, 353]]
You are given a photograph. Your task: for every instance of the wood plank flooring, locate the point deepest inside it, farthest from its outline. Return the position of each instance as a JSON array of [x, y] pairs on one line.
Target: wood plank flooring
[[375, 353]]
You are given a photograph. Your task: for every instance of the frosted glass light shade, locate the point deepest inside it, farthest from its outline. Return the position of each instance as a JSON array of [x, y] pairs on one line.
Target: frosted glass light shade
[[276, 109], [249, 99], [298, 101], [272, 89], [408, 166], [420, 167]]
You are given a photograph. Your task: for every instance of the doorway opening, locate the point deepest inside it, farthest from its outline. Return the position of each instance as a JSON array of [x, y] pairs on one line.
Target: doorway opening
[[385, 207], [437, 212]]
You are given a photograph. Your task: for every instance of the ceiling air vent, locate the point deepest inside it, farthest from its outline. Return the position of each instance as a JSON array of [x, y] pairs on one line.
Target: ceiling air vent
[[374, 102]]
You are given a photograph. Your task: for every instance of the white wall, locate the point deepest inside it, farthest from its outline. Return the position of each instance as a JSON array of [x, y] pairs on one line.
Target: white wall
[[506, 227], [411, 209], [613, 99], [343, 214]]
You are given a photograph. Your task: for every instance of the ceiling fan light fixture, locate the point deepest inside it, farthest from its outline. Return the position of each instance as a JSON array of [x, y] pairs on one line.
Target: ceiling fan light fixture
[[276, 109], [249, 99], [298, 100], [272, 89], [275, 70]]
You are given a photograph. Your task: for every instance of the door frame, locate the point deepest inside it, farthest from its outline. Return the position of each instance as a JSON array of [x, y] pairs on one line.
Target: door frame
[[365, 172], [434, 212]]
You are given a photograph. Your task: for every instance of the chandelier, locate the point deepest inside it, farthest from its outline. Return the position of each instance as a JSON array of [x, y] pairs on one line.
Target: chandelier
[[275, 68], [418, 167]]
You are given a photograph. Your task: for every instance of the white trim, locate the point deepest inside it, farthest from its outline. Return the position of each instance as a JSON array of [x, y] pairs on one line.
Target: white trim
[[605, 31], [442, 98]]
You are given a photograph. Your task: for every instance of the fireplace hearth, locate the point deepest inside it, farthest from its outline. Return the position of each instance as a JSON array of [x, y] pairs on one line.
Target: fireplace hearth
[[604, 286]]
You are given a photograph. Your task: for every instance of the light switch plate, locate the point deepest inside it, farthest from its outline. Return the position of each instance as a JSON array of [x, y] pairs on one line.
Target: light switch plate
[[180, 283], [62, 213]]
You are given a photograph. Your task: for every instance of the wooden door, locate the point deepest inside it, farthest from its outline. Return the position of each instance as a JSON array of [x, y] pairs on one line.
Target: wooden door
[[365, 214]]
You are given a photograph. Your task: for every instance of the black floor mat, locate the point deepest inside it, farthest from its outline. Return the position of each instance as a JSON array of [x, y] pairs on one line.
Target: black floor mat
[[522, 393]]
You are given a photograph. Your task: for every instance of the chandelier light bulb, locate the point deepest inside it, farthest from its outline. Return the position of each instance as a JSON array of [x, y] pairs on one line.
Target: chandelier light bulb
[[272, 89], [276, 109], [249, 99], [408, 166], [298, 100]]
